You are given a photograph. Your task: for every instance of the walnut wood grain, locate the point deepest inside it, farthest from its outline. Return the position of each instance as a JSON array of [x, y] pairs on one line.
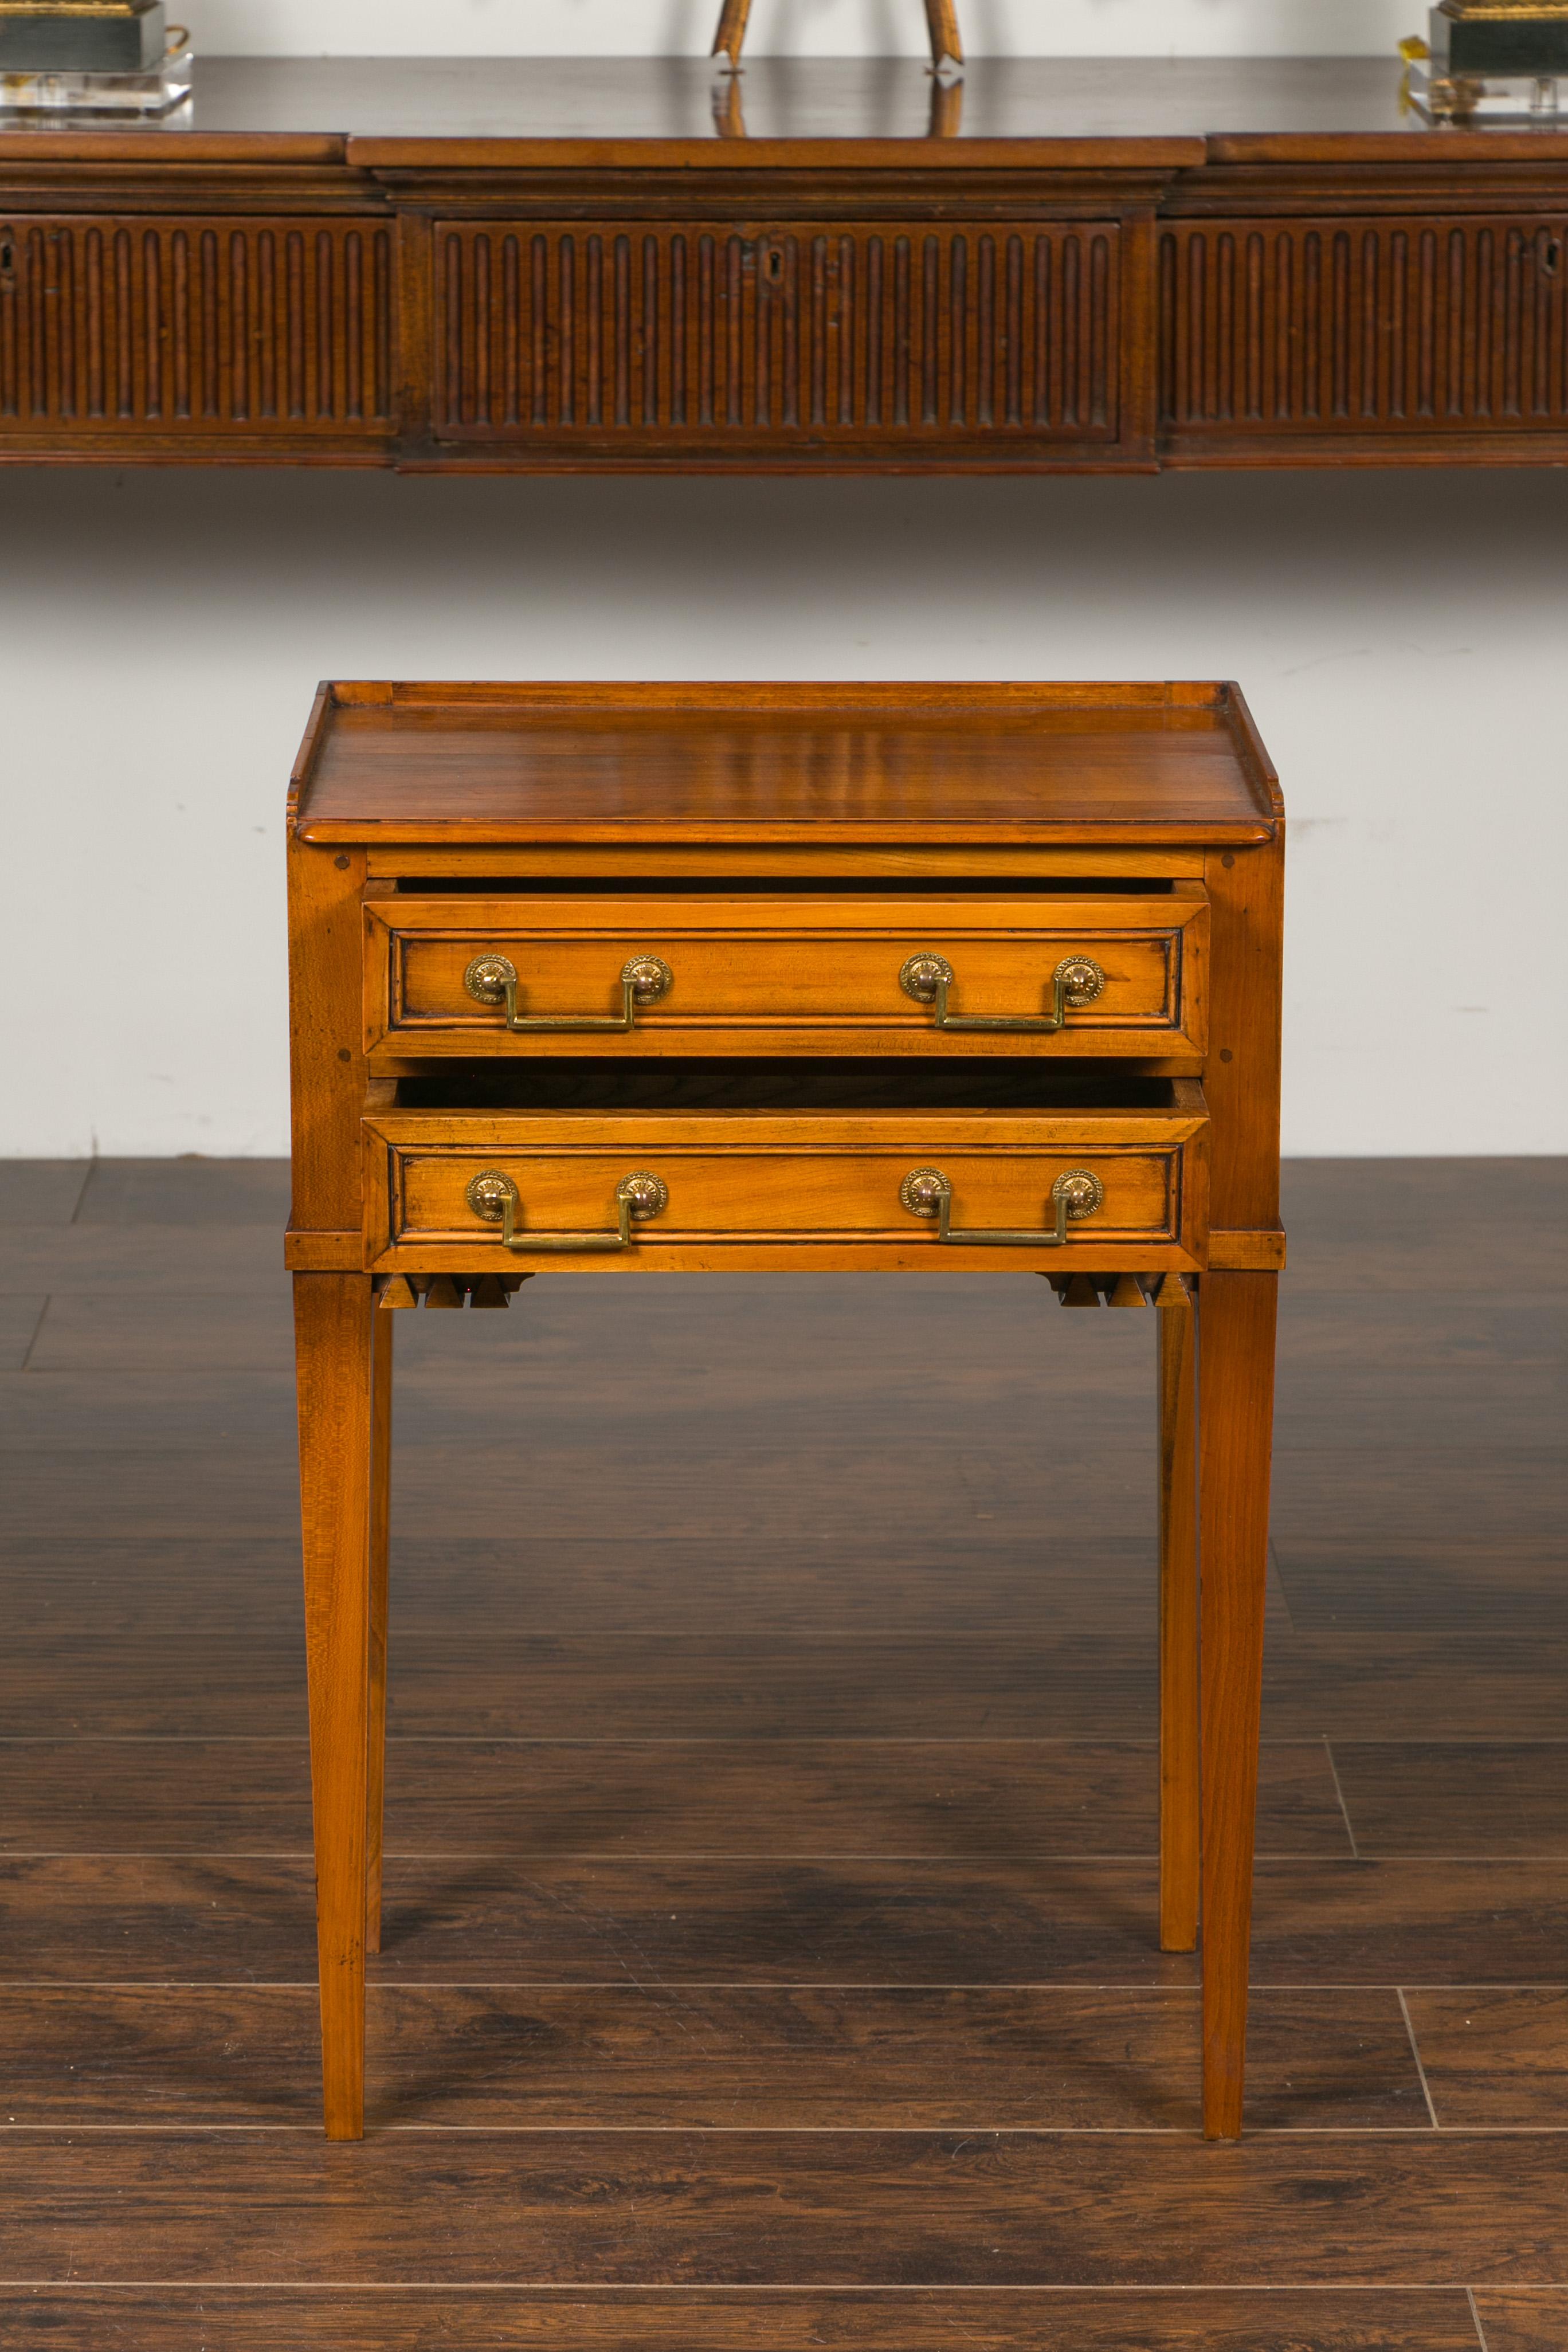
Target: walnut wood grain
[[691, 2319], [817, 1799], [638, 2058], [1493, 1796], [695, 2320], [1493, 2056], [1523, 2322], [79, 1918], [757, 2209]]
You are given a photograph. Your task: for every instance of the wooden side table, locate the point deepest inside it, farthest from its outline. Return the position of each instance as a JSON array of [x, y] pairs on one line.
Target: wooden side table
[[678, 979]]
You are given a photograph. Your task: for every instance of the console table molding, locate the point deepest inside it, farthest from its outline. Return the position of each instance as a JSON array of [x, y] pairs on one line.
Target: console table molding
[[1163, 294]]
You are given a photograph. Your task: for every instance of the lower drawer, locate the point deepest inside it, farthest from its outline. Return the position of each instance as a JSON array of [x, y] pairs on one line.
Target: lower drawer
[[1118, 1186]]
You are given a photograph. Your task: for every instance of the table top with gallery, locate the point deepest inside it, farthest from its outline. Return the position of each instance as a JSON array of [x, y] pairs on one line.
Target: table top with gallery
[[819, 265]]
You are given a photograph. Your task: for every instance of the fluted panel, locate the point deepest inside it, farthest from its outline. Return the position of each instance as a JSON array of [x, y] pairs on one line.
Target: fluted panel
[[635, 332], [1364, 326], [147, 327]]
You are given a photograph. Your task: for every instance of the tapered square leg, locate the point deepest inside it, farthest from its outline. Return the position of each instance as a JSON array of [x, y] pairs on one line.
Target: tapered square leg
[[1179, 1768], [382, 1325], [334, 1317], [1236, 1385]]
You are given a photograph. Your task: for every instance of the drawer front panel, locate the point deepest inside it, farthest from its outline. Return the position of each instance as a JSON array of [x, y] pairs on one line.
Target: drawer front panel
[[146, 328], [758, 1188], [652, 334], [776, 976], [1385, 326]]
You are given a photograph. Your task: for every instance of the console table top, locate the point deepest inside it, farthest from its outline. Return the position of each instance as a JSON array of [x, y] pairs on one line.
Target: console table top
[[1038, 763], [1163, 113]]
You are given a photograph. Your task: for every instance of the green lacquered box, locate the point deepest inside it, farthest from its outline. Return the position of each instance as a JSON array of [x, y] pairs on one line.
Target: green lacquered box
[[1499, 38], [110, 36]]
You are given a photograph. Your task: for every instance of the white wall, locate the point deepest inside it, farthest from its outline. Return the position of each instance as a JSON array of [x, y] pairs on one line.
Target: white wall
[[1400, 637], [802, 27]]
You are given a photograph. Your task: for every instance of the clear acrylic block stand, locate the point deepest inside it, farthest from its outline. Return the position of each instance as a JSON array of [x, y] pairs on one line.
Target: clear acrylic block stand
[[148, 94]]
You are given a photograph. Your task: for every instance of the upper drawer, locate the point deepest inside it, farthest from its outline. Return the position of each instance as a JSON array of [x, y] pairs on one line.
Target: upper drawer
[[794, 974], [1385, 326], [643, 334], [147, 328]]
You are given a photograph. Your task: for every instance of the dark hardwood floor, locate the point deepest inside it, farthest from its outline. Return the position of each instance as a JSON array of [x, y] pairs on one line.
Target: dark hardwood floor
[[769, 1931]]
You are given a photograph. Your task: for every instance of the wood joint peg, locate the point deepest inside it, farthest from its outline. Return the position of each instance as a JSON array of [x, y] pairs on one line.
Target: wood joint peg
[[444, 1290], [396, 1290], [489, 1290], [1126, 1291]]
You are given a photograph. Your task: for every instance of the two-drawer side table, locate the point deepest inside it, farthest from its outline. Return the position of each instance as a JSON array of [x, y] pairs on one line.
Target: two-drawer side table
[[621, 978]]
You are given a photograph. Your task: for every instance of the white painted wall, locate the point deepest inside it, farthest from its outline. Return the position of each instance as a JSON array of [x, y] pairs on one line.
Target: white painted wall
[[1400, 637], [801, 27]]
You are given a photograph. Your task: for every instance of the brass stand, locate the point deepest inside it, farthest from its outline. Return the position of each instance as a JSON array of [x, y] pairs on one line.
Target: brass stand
[[946, 105], [942, 19]]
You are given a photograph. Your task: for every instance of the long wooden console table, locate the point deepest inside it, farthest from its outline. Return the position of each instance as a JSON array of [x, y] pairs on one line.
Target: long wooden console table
[[560, 265]]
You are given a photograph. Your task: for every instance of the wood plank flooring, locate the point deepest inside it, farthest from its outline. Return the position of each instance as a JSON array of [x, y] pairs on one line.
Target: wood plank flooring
[[769, 1956]]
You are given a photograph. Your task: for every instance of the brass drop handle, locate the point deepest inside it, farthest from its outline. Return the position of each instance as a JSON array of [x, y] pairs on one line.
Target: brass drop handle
[[1076, 981], [494, 1197], [493, 980], [926, 1193]]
